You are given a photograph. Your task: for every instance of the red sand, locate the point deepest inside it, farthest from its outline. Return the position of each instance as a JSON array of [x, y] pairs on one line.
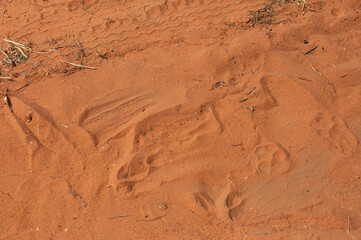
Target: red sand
[[159, 142]]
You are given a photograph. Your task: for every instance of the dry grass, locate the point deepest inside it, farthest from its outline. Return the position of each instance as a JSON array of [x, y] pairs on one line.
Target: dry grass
[[18, 53], [267, 14], [14, 55]]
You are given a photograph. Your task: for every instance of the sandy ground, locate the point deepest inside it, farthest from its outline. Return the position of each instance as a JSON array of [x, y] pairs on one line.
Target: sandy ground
[[201, 121]]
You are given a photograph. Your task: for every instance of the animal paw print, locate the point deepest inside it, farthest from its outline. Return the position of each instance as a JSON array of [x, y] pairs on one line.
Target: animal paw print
[[204, 199], [235, 203], [335, 132], [269, 160]]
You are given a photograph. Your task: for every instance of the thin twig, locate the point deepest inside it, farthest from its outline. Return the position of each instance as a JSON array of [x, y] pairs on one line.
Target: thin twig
[[21, 87], [311, 50], [4, 53], [348, 225], [43, 54], [18, 44], [305, 79], [250, 91], [21, 51], [77, 195], [153, 219], [61, 61], [81, 52], [343, 76], [78, 65], [314, 69]]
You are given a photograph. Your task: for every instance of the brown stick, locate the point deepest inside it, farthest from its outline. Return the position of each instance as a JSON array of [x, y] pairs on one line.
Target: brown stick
[[311, 50], [305, 79], [250, 91], [21, 87], [153, 219]]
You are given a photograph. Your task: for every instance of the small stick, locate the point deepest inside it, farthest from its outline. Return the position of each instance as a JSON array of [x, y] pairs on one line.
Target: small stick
[[5, 78], [348, 225], [305, 79], [250, 91], [77, 195], [121, 216], [149, 220], [22, 87], [77, 65], [315, 70], [343, 76], [311, 50], [243, 100]]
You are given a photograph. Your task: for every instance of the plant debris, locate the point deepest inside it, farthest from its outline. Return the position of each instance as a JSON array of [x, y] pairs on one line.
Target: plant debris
[[162, 206], [218, 84], [14, 55], [267, 14], [19, 53]]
